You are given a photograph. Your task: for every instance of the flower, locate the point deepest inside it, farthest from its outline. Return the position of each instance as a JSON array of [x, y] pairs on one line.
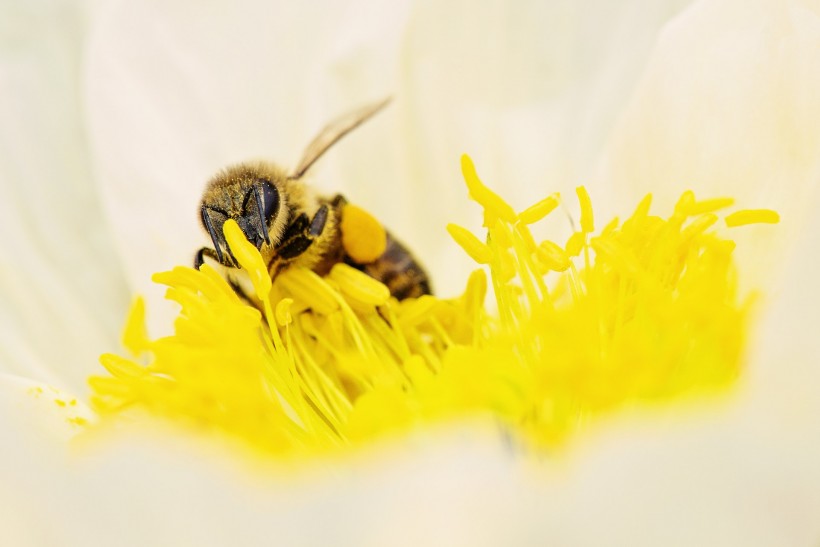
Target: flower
[[721, 107], [650, 311]]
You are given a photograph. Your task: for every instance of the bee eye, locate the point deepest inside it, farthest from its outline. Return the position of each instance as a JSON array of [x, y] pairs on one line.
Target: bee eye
[[270, 200], [261, 204]]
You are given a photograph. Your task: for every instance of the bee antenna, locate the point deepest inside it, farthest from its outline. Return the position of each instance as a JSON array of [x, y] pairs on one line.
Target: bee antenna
[[334, 131], [209, 225], [261, 207]]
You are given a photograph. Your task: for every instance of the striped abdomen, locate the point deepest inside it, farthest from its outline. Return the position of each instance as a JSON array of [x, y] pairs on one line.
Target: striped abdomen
[[397, 269]]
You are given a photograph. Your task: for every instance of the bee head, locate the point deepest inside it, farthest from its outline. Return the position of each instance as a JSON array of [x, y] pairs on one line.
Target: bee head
[[254, 211]]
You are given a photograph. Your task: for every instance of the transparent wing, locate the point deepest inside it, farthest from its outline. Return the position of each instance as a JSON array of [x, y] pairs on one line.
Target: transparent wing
[[334, 131]]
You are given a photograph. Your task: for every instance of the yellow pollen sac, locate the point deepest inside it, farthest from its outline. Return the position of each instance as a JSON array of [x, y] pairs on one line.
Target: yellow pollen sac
[[639, 314], [575, 244], [501, 234], [416, 310], [587, 219], [307, 287], [752, 216], [533, 214], [359, 286], [477, 250], [121, 368], [476, 289], [282, 312], [685, 203], [642, 210], [135, 338], [492, 202], [363, 237], [553, 256], [707, 206]]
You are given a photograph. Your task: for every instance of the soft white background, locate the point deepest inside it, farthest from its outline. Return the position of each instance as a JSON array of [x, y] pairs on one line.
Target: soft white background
[[113, 115]]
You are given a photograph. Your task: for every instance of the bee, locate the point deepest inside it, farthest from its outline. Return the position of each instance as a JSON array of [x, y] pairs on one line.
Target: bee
[[291, 225]]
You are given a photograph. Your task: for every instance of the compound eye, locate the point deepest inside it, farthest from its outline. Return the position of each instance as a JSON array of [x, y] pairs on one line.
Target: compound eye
[[270, 200], [261, 204]]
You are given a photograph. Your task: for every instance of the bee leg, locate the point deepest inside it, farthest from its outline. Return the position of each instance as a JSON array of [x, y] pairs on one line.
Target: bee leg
[[199, 259], [226, 260], [317, 225], [293, 241], [296, 227], [338, 201], [297, 242], [240, 292]]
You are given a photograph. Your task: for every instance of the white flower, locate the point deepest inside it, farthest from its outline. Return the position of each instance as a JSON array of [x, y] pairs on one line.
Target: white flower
[[114, 114]]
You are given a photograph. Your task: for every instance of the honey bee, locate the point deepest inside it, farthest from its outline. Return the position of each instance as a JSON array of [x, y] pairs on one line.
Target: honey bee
[[291, 225]]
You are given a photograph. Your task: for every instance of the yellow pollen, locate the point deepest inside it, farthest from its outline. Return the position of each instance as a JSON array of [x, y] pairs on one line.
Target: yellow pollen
[[363, 237], [643, 312]]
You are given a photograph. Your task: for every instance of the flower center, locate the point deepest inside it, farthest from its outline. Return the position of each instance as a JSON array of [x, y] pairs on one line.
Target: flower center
[[638, 313]]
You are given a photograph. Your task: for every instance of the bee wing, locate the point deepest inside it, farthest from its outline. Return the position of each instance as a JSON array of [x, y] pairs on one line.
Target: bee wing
[[334, 131]]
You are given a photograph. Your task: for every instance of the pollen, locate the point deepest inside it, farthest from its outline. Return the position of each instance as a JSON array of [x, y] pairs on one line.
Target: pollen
[[363, 237], [644, 312]]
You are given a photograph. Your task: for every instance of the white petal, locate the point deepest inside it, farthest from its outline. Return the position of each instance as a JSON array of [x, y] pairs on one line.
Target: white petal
[[61, 291], [460, 490], [726, 107]]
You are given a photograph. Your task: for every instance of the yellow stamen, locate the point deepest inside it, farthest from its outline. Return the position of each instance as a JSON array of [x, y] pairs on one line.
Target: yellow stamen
[[472, 246], [492, 202], [587, 222], [552, 256], [359, 286], [305, 286], [638, 314], [533, 214], [282, 313], [708, 206], [752, 216], [575, 244], [135, 337], [247, 256]]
